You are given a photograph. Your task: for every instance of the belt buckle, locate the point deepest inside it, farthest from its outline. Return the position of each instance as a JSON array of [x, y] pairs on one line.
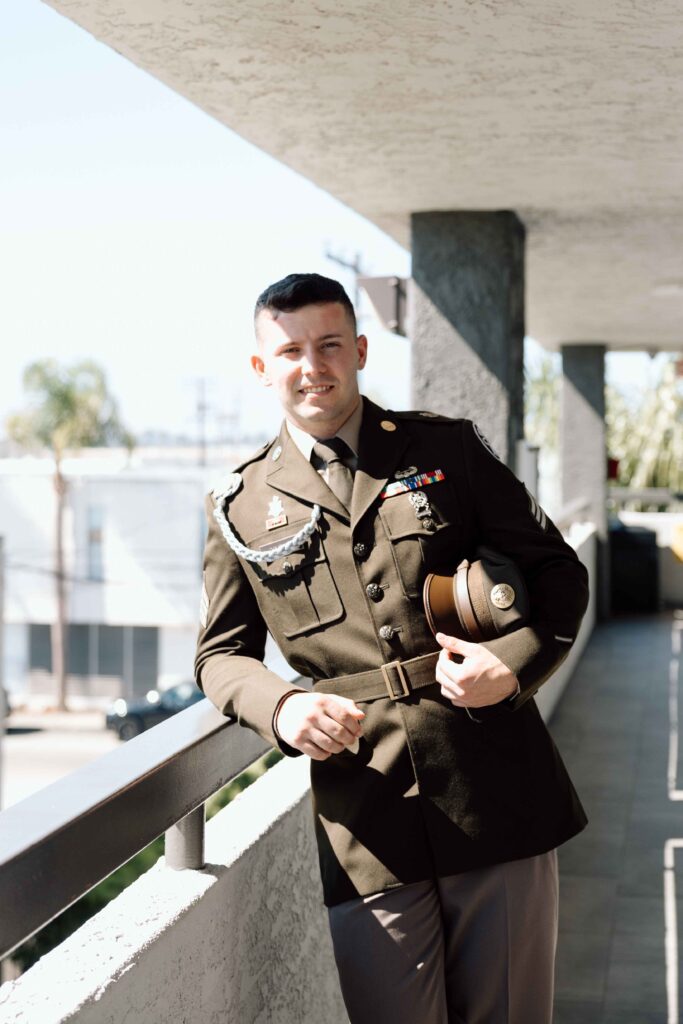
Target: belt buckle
[[403, 679]]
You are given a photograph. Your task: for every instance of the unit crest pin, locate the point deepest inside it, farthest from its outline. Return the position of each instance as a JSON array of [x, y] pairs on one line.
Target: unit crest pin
[[276, 514]]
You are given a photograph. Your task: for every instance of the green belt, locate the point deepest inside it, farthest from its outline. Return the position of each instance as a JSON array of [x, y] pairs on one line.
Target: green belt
[[394, 680]]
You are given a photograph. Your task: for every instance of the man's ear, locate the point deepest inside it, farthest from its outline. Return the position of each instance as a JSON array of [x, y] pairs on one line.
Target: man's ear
[[362, 349], [259, 368]]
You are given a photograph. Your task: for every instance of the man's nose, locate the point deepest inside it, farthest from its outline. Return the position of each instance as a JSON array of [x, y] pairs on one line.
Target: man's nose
[[312, 362]]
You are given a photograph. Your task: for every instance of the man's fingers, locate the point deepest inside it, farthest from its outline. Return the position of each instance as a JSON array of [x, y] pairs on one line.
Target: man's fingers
[[325, 741], [455, 645], [345, 713]]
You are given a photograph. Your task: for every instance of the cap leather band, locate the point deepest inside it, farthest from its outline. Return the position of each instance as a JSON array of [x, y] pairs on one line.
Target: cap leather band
[[464, 602]]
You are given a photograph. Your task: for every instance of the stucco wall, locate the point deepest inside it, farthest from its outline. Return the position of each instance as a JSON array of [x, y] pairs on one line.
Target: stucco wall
[[244, 941]]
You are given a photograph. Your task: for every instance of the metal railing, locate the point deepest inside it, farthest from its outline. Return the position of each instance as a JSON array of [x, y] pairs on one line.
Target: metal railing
[[56, 845], [647, 495], [575, 511]]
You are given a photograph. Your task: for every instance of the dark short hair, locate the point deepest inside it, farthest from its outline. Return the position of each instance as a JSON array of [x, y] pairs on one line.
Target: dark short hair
[[297, 290]]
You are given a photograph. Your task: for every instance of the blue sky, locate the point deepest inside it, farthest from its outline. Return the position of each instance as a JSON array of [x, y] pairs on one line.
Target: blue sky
[[138, 231]]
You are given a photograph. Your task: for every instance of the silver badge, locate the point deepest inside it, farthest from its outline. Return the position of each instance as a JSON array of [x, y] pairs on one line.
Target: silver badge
[[503, 596], [277, 452], [401, 474], [276, 508], [276, 514], [420, 502]]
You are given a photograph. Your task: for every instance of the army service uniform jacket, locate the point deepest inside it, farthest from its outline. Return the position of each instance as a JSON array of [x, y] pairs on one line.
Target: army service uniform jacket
[[430, 792]]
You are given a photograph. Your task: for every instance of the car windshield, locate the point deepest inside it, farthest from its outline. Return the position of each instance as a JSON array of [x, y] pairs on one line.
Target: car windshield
[[181, 695]]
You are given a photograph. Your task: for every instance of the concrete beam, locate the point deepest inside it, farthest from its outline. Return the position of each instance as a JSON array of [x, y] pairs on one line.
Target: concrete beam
[[466, 320]]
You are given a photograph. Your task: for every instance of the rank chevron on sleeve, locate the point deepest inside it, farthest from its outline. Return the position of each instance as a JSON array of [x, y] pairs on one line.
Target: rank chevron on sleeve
[[536, 511]]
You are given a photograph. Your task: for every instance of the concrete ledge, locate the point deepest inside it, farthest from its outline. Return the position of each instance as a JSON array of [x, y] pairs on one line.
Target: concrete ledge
[[244, 941]]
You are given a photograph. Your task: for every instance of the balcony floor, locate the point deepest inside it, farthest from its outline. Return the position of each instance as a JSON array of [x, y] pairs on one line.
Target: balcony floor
[[617, 729]]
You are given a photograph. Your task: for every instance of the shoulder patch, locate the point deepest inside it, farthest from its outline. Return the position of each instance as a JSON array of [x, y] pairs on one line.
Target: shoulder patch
[[486, 443]]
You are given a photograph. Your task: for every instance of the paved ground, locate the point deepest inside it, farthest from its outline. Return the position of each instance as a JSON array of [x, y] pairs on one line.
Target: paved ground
[[41, 747], [617, 730]]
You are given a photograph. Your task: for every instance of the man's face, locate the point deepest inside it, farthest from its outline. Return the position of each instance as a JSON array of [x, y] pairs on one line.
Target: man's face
[[311, 357]]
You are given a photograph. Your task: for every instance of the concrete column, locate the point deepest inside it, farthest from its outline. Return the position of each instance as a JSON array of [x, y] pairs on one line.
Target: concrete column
[[466, 320], [583, 448]]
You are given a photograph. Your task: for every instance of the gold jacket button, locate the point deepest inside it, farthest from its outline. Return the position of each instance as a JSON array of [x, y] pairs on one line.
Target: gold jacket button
[[374, 591], [387, 632], [360, 550]]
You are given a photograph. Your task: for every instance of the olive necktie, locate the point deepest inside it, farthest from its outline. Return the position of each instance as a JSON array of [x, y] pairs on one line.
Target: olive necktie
[[339, 477]]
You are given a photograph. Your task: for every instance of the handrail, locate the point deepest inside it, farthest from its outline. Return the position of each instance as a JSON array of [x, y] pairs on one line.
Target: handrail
[[572, 512], [650, 495], [59, 843]]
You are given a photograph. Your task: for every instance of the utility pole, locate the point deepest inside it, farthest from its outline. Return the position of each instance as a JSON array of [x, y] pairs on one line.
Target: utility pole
[[201, 409], [356, 268]]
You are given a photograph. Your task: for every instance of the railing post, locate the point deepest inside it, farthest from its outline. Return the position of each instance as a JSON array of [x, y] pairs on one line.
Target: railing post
[[184, 841]]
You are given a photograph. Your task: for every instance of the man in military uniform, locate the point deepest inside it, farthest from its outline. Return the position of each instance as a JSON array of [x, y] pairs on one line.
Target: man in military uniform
[[439, 796]]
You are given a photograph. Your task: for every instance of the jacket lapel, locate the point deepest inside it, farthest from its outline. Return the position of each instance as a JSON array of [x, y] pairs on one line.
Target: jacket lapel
[[292, 474], [380, 452]]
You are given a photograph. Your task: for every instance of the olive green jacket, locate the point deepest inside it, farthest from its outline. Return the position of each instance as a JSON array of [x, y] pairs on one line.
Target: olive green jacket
[[430, 792]]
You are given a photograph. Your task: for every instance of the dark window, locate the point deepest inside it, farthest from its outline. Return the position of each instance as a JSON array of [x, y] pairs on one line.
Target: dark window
[[110, 650], [77, 650], [39, 647], [145, 658]]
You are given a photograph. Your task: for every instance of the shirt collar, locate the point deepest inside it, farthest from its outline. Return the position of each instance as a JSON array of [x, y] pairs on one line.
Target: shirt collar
[[349, 432]]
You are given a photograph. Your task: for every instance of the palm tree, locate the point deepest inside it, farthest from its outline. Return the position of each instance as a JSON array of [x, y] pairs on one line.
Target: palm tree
[[69, 408], [648, 439]]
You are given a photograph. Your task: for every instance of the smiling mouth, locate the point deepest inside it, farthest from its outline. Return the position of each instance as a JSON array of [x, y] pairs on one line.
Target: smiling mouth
[[319, 389]]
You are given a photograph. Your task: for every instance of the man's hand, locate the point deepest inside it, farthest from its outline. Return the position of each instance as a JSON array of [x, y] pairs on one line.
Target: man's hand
[[475, 678], [319, 724]]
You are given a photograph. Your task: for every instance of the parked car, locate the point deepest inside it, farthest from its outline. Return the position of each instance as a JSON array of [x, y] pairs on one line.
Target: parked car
[[131, 717]]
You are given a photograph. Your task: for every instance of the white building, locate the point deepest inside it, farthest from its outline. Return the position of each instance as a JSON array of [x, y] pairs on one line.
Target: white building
[[134, 534]]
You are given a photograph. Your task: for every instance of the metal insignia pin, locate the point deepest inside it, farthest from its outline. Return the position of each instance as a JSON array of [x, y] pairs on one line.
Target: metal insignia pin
[[387, 425], [277, 452], [276, 514], [503, 596], [420, 503], [401, 474]]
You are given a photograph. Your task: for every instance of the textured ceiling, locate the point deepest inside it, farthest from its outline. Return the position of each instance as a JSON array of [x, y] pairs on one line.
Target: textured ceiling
[[569, 113]]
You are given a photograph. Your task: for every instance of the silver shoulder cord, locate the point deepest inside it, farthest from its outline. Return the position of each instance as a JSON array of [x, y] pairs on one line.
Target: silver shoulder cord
[[287, 547]]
